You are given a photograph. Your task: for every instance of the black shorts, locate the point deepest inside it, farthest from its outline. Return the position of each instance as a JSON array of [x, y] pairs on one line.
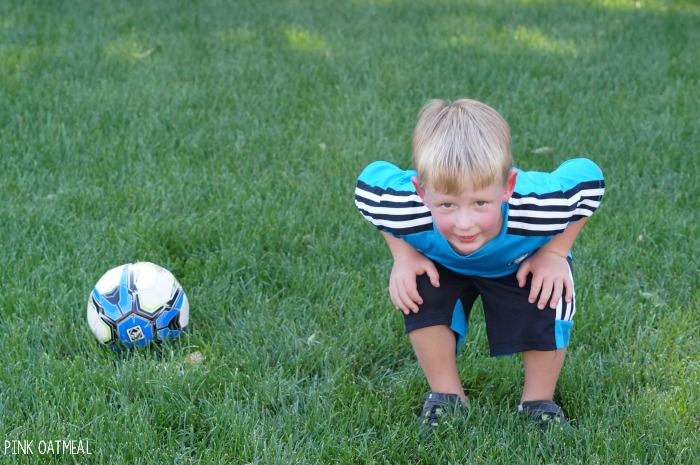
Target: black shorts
[[513, 324]]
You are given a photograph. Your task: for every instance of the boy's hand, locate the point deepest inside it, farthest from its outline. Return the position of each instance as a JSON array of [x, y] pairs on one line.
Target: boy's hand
[[402, 283], [550, 278]]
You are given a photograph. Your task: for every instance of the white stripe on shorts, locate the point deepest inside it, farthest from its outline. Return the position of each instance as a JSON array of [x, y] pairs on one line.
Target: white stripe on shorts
[[568, 313]]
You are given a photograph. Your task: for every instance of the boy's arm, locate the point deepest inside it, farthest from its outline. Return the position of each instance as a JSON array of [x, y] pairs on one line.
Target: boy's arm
[[550, 270], [408, 263]]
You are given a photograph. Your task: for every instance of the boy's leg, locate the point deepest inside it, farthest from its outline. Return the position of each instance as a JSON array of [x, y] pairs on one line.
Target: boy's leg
[[542, 370], [514, 325], [435, 348]]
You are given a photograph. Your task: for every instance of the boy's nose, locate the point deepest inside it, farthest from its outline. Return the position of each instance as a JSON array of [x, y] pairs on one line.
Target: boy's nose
[[464, 221]]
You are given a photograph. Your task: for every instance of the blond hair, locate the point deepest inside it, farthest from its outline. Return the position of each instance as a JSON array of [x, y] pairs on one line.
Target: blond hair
[[461, 145]]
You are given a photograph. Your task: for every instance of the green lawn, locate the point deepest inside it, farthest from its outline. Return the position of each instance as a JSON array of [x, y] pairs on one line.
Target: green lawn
[[222, 140]]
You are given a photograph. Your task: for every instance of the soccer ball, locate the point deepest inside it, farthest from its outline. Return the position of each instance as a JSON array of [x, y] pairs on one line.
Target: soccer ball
[[135, 304]]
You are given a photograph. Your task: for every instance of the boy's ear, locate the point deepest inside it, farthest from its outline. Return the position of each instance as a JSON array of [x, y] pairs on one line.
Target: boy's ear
[[419, 191], [510, 185]]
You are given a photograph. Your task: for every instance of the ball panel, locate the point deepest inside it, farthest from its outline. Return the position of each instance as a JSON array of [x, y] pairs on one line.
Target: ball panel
[[155, 286], [112, 291], [165, 318], [167, 333], [184, 311], [102, 331], [104, 303], [125, 291]]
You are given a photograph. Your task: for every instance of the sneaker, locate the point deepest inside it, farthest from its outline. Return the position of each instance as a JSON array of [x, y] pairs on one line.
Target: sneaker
[[437, 406], [545, 413]]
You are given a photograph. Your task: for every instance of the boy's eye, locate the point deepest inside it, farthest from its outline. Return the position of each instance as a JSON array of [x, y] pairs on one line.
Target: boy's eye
[[481, 203], [446, 205]]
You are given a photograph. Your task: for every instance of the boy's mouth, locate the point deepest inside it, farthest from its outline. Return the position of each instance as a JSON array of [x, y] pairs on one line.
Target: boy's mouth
[[467, 239]]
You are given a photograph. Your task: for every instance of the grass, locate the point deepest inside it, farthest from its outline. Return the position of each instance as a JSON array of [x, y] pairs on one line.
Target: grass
[[222, 140]]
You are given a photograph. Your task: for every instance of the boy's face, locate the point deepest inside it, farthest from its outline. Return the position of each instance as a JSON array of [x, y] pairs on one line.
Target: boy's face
[[471, 219]]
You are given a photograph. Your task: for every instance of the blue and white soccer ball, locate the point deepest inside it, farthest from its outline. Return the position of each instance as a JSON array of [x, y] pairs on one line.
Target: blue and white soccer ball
[[136, 304]]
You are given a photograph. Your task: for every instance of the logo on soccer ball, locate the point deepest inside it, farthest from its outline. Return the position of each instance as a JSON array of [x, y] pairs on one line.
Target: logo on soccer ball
[[135, 334]]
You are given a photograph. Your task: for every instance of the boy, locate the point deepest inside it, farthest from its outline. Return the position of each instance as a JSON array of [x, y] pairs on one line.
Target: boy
[[466, 224]]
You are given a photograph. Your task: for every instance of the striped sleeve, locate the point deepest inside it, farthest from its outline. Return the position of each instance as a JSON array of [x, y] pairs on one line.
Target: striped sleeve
[[386, 198], [572, 192]]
